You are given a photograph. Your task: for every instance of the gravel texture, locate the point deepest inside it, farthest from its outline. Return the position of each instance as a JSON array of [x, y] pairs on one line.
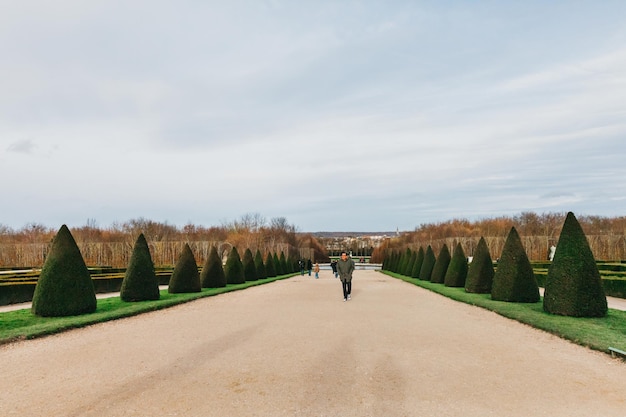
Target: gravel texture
[[295, 348]]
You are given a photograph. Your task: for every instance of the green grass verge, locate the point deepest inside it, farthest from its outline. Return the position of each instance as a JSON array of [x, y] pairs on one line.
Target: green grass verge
[[22, 324], [595, 333]]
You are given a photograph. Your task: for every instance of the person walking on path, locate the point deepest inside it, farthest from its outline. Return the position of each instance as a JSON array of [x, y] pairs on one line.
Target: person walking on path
[[333, 265], [309, 266], [316, 269], [345, 267]]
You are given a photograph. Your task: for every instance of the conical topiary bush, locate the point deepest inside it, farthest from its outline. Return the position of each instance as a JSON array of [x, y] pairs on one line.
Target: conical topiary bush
[[514, 280], [428, 264], [409, 266], [270, 269], [234, 268], [419, 261], [278, 267], [405, 258], [573, 284], [140, 281], [249, 269], [457, 270], [212, 275], [185, 277], [480, 273], [64, 287], [259, 265], [441, 265], [283, 263]]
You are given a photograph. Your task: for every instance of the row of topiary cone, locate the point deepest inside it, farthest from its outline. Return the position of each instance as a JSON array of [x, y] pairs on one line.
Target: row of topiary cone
[[573, 285], [64, 287]]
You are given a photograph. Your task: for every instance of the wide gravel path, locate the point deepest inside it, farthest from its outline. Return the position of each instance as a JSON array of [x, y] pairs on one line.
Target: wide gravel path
[[294, 348]]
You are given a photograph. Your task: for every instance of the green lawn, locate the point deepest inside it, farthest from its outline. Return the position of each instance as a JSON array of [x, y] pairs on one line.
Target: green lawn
[[595, 333], [22, 324]]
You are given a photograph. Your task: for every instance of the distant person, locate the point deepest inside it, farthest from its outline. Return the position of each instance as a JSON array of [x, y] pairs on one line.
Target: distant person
[[301, 265], [316, 269], [345, 267], [333, 266], [309, 266]]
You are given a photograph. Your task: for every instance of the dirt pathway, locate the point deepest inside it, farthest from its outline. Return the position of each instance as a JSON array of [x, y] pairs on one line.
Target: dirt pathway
[[294, 348]]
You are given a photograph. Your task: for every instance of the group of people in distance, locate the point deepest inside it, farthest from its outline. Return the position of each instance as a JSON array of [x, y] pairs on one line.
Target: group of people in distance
[[342, 269]]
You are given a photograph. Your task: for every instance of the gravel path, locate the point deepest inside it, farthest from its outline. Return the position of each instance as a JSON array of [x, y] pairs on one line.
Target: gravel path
[[294, 348]]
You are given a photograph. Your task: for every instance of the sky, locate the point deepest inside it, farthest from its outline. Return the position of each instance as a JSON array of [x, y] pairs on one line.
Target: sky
[[336, 115]]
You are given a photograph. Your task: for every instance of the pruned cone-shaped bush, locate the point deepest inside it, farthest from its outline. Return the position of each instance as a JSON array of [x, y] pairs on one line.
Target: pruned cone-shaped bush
[[249, 269], [270, 269], [428, 264], [409, 266], [259, 265], [441, 266], [234, 268], [212, 275], [573, 284], [457, 270], [278, 267], [283, 263], [404, 261], [140, 281], [419, 261], [64, 287], [514, 280], [480, 273], [185, 277]]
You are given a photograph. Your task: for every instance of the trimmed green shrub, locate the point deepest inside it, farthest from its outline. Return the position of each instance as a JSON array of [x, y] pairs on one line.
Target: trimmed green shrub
[[404, 261], [212, 275], [419, 261], [249, 269], [409, 266], [480, 272], [140, 281], [441, 266], [573, 285], [270, 269], [278, 267], [428, 264], [185, 277], [234, 268], [258, 264], [514, 280], [64, 287], [457, 270], [283, 263]]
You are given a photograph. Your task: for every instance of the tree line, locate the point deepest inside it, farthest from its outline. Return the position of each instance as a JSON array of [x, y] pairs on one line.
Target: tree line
[[538, 232], [112, 246]]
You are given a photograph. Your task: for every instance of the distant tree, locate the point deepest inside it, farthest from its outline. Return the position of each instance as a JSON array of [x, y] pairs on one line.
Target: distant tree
[[441, 265], [404, 261], [234, 268], [514, 279], [212, 275], [480, 274], [408, 269], [573, 285], [185, 278], [259, 265], [419, 261], [249, 269], [457, 270], [140, 281], [270, 269], [64, 287], [428, 265]]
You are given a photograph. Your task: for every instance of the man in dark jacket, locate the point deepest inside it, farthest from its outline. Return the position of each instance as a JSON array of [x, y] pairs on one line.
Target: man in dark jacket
[[345, 267]]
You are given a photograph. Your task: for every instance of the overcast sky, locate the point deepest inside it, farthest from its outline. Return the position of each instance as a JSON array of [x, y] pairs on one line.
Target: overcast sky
[[338, 115]]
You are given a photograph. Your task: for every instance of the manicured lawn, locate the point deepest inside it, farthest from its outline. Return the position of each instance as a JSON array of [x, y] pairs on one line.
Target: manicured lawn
[[595, 333], [22, 324]]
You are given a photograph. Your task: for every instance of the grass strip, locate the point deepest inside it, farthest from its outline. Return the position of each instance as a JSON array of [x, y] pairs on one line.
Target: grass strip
[[22, 324], [594, 333]]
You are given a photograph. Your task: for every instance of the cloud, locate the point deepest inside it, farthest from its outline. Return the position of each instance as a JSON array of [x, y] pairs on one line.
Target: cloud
[[25, 146]]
